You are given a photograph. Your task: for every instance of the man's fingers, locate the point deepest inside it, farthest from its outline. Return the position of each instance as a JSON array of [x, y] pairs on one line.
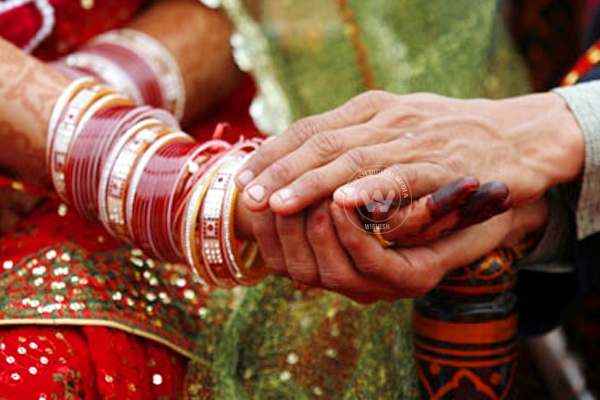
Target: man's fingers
[[368, 256], [299, 260], [263, 227], [356, 111], [415, 271], [315, 152], [401, 182], [335, 268]]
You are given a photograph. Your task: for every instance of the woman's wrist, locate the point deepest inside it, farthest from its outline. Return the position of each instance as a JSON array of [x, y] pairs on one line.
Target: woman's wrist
[[243, 220]]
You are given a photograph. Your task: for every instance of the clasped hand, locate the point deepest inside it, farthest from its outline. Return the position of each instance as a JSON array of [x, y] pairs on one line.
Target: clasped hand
[[300, 186]]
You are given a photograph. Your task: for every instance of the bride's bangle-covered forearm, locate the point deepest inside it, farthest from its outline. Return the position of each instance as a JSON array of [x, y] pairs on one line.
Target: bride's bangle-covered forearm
[[149, 183], [184, 74], [203, 57], [136, 64]]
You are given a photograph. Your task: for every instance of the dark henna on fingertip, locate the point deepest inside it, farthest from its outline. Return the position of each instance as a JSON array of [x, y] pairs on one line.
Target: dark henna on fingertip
[[451, 196], [491, 200]]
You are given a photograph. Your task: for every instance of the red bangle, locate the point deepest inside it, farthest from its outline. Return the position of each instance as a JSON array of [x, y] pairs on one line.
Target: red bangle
[[135, 67], [108, 157], [158, 59], [211, 223], [117, 171], [211, 153], [103, 68], [164, 191], [79, 159], [104, 128], [67, 127], [151, 195]]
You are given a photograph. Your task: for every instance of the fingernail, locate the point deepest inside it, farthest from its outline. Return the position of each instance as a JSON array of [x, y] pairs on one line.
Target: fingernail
[[282, 196], [245, 177], [348, 191], [256, 193]]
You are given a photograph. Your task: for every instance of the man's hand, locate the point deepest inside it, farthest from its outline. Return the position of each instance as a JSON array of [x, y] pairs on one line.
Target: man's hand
[[412, 272], [530, 143], [326, 246]]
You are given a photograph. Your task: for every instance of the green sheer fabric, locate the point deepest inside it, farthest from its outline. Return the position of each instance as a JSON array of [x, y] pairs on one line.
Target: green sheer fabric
[[454, 48], [276, 341]]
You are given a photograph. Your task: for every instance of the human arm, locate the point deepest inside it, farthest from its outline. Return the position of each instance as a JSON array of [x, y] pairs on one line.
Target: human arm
[[198, 39], [202, 59], [195, 69]]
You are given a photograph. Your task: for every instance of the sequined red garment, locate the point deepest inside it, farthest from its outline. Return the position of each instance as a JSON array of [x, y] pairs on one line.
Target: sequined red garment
[[86, 363]]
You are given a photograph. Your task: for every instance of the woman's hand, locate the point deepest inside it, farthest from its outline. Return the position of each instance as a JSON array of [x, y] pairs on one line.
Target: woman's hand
[[530, 143]]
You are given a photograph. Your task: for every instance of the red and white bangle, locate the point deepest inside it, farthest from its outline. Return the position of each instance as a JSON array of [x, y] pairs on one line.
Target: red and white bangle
[[117, 171], [107, 70], [159, 59], [138, 213], [63, 136], [66, 96], [184, 172], [189, 228], [149, 183], [80, 155], [131, 123], [210, 226]]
